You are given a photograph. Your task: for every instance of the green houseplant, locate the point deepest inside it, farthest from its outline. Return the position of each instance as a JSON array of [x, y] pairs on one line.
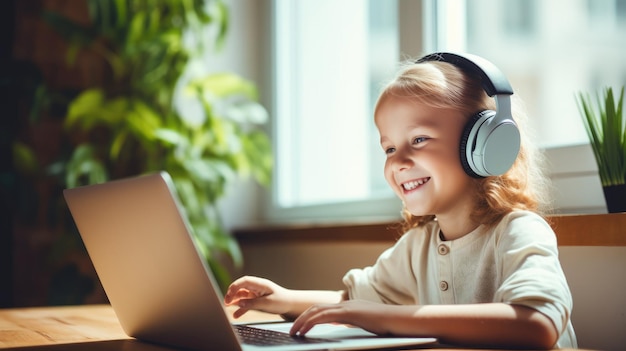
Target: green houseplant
[[129, 124], [606, 128]]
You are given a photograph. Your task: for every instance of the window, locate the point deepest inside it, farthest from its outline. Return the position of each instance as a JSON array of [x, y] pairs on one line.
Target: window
[[332, 57], [550, 51]]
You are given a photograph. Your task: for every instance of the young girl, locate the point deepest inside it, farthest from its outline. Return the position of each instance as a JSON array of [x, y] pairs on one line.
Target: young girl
[[477, 264]]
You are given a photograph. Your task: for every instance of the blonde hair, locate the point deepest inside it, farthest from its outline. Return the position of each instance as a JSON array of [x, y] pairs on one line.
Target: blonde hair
[[443, 85]]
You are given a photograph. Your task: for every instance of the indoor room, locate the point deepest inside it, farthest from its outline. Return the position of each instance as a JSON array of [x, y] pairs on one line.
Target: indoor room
[[261, 113]]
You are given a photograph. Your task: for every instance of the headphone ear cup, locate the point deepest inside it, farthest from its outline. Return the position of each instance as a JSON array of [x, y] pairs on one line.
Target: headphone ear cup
[[470, 131]]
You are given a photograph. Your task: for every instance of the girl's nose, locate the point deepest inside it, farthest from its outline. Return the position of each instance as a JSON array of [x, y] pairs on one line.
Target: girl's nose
[[402, 161]]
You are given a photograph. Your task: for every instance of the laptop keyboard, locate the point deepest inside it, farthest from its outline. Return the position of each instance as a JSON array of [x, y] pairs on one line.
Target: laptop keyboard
[[263, 337]]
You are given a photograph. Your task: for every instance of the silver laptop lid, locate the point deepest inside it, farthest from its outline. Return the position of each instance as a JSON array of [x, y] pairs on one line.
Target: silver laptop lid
[[156, 280]]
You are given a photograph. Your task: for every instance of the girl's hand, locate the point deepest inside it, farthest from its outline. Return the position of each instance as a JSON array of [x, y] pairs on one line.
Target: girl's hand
[[365, 314], [253, 293]]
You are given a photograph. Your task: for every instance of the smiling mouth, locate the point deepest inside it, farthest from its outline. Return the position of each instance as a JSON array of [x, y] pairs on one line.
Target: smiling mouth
[[408, 186]]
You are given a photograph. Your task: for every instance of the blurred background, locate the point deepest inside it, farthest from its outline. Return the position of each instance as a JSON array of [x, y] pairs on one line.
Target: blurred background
[[260, 109]]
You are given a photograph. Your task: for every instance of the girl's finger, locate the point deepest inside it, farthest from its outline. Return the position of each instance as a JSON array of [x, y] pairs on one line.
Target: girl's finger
[[310, 318], [240, 312]]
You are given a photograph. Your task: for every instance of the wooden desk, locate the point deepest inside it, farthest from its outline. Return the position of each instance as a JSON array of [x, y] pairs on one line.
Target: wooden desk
[[93, 327], [73, 328], [40, 328]]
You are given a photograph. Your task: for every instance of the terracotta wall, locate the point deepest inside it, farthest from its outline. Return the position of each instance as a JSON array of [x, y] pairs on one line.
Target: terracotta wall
[[37, 252]]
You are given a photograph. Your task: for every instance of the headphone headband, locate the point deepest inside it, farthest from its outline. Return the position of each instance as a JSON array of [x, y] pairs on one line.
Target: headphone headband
[[492, 79]]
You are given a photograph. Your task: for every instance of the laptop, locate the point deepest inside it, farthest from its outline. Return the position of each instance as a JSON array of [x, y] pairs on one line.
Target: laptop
[[160, 286]]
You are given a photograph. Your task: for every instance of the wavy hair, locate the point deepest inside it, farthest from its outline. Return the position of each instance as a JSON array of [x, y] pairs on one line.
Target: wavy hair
[[443, 85]]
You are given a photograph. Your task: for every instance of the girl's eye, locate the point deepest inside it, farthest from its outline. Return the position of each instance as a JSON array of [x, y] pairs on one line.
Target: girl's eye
[[390, 150], [419, 140]]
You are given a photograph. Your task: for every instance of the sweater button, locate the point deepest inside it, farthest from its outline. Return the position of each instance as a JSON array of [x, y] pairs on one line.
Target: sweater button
[[443, 285], [443, 249]]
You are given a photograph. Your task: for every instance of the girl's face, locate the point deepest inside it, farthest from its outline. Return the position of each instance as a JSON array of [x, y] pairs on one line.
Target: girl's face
[[423, 165]]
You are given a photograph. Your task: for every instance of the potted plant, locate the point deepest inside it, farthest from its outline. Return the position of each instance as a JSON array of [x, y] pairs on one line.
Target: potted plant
[[606, 128], [130, 123]]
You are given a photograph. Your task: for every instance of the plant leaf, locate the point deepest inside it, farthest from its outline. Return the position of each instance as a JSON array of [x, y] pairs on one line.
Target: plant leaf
[[84, 105], [24, 159], [606, 129], [226, 84]]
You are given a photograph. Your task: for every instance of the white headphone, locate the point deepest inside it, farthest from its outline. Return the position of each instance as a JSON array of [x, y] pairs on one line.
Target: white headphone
[[491, 140]]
